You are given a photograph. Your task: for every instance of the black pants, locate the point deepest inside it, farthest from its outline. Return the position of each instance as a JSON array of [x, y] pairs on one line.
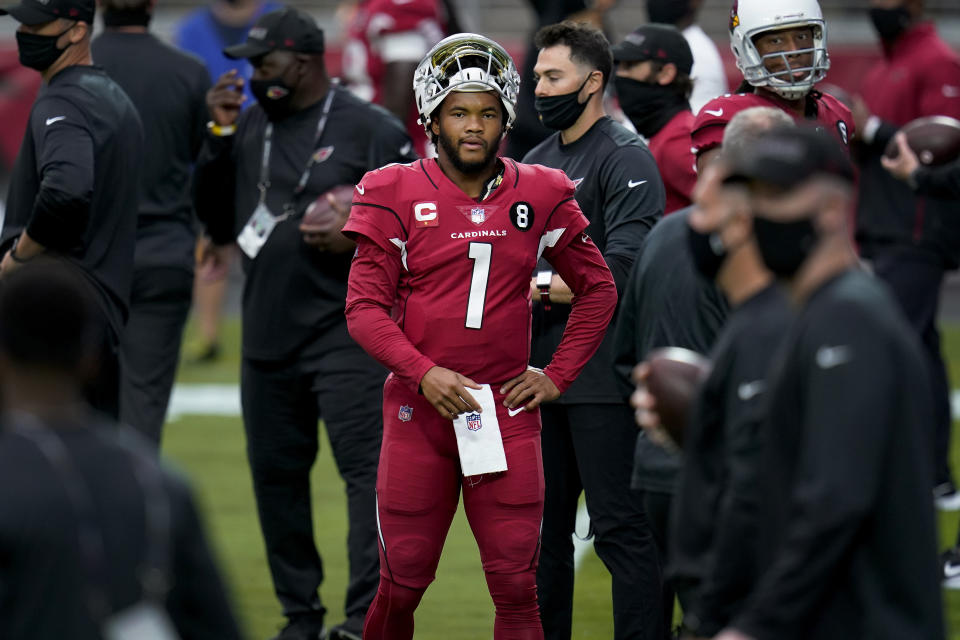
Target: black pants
[[589, 448], [657, 504], [915, 278], [102, 391], [282, 402], [150, 346]]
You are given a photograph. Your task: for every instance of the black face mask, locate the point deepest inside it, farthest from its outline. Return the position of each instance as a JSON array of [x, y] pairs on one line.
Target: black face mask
[[648, 104], [667, 11], [890, 23], [274, 96], [784, 246], [40, 52], [139, 17], [707, 251], [560, 112]]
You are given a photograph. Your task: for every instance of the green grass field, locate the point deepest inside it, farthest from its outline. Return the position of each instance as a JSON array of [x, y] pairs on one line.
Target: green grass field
[[457, 606]]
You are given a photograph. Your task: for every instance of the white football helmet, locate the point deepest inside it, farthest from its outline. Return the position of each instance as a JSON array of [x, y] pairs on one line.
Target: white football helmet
[[749, 18], [465, 62]]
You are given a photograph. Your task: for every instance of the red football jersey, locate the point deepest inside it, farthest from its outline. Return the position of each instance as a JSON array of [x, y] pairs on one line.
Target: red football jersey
[[462, 294], [832, 115], [671, 149], [363, 53]]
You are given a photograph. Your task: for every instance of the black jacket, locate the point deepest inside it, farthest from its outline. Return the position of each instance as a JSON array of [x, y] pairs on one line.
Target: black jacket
[[46, 580], [847, 543], [665, 303]]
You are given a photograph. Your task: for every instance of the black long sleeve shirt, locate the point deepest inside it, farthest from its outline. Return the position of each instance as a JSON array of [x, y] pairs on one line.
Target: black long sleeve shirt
[[75, 186], [665, 303], [168, 88], [847, 540], [714, 516], [620, 191], [45, 576], [293, 292]]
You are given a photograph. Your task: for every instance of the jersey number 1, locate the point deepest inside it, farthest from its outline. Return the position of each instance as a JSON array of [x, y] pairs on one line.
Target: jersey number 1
[[480, 253]]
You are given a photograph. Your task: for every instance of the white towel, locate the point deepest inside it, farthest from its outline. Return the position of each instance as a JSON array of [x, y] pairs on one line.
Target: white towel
[[478, 437]]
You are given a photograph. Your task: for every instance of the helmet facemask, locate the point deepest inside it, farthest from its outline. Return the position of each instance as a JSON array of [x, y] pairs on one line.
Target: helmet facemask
[[784, 82], [750, 19]]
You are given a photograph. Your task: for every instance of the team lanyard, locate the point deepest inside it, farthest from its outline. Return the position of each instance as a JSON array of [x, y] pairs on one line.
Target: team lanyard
[[264, 184], [153, 573]]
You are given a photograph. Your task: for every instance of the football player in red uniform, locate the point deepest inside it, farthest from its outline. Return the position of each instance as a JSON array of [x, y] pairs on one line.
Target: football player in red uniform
[[781, 48], [439, 292], [385, 41]]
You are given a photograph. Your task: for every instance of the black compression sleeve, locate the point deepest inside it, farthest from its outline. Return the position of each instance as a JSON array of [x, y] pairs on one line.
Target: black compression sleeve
[[59, 219]]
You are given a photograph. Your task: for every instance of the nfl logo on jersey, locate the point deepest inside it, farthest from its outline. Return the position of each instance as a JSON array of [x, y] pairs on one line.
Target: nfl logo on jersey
[[478, 216], [473, 421], [406, 413]]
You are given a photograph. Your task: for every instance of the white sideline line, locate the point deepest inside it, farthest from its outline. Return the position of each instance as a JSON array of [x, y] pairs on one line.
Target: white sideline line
[[204, 400], [224, 400]]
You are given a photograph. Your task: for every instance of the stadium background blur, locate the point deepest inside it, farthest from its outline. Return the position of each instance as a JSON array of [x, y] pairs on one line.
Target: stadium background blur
[[204, 434]]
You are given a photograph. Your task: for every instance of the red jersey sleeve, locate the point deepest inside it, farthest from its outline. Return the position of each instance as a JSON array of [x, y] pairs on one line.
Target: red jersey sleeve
[[708, 126], [373, 213], [371, 292], [566, 220]]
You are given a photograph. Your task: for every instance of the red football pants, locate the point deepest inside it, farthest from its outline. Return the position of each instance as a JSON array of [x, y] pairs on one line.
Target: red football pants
[[418, 487]]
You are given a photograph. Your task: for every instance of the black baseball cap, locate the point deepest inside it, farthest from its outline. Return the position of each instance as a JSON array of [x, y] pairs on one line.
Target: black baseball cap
[[31, 12], [786, 158], [288, 29], [660, 42]]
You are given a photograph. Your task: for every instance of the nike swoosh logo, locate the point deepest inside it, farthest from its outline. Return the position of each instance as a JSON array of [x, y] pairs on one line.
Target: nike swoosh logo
[[513, 412], [830, 357], [717, 113], [749, 390], [50, 121], [631, 184], [576, 183], [951, 570], [406, 149], [360, 189]]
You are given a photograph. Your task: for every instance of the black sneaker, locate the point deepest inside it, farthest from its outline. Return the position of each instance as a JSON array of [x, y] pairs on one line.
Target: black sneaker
[[306, 627], [347, 630], [950, 567]]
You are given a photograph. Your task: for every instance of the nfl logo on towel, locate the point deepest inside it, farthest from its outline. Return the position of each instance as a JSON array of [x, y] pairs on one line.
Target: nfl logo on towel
[[405, 413], [477, 216], [473, 422]]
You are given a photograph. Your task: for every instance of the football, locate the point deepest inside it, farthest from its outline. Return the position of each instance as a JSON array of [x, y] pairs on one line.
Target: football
[[935, 140], [320, 216], [675, 375]]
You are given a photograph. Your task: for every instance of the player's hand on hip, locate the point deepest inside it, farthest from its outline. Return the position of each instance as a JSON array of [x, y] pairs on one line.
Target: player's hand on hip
[[532, 387], [225, 98], [447, 391]]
